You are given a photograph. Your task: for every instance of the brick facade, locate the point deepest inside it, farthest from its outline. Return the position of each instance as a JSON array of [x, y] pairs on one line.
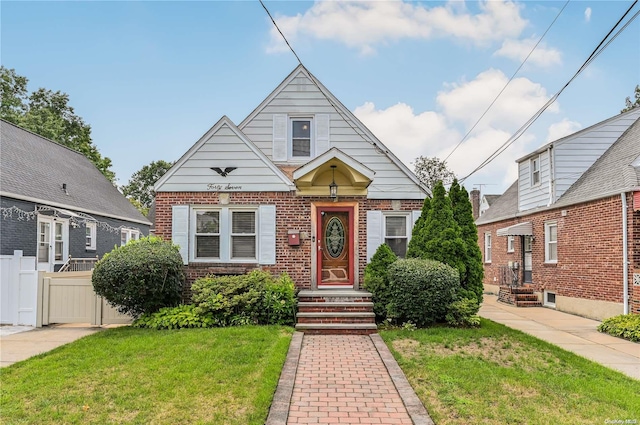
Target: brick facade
[[590, 251], [292, 213]]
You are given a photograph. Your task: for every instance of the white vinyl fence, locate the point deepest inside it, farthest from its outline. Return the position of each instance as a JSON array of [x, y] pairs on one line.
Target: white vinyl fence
[[18, 289]]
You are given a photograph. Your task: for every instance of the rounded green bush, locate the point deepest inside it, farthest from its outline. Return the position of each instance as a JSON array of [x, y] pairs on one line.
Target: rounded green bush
[[140, 277], [421, 291]]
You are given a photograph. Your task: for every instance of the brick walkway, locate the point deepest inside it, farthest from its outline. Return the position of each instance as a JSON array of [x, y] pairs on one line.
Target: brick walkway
[[342, 379]]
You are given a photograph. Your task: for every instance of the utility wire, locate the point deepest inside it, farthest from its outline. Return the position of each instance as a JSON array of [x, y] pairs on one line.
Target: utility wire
[[604, 43], [508, 82]]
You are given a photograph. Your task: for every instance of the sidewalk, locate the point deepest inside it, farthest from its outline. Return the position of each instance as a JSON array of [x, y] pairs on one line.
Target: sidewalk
[[573, 333], [19, 346], [345, 379]]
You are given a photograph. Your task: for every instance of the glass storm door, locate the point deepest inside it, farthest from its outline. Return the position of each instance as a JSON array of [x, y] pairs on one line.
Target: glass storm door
[[53, 238], [528, 263], [335, 247]]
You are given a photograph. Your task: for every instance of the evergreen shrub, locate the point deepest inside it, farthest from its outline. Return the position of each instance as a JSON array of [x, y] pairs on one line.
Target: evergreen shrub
[[376, 280], [421, 291], [140, 277]]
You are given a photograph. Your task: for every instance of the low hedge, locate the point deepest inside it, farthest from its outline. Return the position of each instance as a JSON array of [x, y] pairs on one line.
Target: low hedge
[[625, 326]]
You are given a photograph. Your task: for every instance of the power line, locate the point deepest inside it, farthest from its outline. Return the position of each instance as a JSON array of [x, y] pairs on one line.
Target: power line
[[604, 43], [508, 82]]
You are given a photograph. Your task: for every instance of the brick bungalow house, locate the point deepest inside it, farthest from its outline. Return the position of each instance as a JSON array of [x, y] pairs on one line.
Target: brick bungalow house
[[299, 186], [569, 227]]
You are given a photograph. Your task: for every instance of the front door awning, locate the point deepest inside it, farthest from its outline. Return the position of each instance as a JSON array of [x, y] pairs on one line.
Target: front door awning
[[520, 229]]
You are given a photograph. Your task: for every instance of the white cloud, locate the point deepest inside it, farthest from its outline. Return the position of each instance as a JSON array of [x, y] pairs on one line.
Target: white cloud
[[587, 14], [406, 134], [364, 25], [519, 49], [467, 101], [561, 129], [409, 134]]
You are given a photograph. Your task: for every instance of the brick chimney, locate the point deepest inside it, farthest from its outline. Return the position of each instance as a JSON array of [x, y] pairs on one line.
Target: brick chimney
[[475, 202]]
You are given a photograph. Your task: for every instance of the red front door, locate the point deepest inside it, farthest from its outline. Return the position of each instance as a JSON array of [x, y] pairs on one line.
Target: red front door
[[335, 246]]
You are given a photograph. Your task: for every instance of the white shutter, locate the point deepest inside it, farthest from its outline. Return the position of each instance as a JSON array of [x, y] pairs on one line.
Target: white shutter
[[279, 137], [180, 230], [415, 215], [322, 133], [374, 232], [267, 234]]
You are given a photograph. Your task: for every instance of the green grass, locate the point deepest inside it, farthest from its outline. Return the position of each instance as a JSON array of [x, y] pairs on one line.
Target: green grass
[[141, 376], [497, 375]]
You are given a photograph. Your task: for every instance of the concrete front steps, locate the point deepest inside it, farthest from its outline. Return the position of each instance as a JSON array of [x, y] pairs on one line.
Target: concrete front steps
[[335, 311], [520, 296]]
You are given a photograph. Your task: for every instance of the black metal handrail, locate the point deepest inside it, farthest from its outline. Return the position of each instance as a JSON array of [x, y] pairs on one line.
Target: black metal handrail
[[509, 276]]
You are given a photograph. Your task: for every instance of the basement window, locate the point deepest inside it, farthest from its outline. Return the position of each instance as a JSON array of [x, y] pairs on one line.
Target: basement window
[[550, 299]]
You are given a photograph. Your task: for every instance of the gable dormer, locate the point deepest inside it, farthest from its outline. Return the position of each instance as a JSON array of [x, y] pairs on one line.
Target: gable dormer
[[547, 173], [302, 120]]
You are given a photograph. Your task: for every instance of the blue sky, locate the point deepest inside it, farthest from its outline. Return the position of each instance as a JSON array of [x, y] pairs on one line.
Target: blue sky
[[152, 77]]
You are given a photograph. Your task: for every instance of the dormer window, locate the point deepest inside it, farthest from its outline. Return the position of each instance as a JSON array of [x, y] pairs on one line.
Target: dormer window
[[301, 140], [535, 171]]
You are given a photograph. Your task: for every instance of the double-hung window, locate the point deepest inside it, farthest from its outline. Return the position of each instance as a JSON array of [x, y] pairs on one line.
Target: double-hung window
[[90, 239], [395, 233], [551, 242], [487, 247], [243, 235], [207, 234], [225, 234], [301, 138], [127, 235], [535, 170]]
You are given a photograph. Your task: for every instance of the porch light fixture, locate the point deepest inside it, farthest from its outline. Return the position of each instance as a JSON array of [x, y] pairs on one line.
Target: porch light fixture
[[333, 187]]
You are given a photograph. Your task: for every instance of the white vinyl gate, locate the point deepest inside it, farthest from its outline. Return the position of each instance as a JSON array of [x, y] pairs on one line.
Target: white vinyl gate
[[18, 289]]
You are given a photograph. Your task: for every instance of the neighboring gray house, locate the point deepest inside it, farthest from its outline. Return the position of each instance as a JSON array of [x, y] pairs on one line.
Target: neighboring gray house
[[56, 204]]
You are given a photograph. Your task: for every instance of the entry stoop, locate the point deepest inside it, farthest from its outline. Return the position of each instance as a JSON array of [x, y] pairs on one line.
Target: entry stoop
[[335, 311], [520, 296]]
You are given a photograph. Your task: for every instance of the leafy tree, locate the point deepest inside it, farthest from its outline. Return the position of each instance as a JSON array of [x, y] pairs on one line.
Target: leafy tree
[[445, 243], [629, 104], [48, 114], [463, 215], [140, 186], [431, 170], [418, 236]]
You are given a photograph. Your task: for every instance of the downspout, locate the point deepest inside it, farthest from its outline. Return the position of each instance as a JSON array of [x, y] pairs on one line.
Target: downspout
[[551, 178], [625, 256]]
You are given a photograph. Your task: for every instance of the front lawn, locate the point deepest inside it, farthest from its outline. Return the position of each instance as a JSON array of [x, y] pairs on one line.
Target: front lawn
[[141, 376], [497, 375]]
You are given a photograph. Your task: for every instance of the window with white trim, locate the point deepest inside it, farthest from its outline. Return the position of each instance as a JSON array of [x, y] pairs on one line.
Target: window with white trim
[[535, 170], [91, 233], [224, 234], [487, 247], [511, 243], [127, 235], [396, 233], [551, 242], [301, 143], [549, 299]]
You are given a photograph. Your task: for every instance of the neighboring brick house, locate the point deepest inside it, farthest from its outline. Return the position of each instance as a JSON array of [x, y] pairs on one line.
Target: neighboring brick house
[[299, 186], [570, 225]]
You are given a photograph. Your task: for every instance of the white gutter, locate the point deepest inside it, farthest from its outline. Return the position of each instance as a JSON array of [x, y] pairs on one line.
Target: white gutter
[[625, 256], [551, 177]]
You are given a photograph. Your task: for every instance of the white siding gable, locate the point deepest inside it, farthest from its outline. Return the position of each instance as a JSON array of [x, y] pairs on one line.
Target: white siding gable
[[562, 162], [224, 146], [299, 97]]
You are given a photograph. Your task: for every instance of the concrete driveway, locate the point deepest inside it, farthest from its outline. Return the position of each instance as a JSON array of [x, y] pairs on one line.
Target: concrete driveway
[[20, 343], [573, 333]]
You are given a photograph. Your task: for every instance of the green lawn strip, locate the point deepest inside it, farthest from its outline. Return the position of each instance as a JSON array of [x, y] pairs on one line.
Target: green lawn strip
[[141, 376], [497, 375]]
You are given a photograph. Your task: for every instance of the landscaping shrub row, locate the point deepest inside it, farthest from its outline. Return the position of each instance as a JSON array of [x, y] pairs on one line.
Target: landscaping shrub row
[[625, 326]]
